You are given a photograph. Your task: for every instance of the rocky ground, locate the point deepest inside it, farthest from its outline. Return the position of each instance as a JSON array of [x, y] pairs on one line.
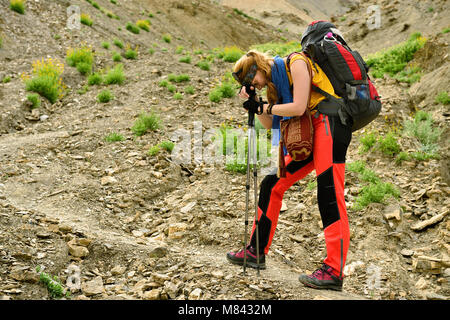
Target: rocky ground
[[132, 226]]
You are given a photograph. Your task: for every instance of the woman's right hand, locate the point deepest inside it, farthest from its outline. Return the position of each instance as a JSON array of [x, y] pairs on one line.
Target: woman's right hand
[[243, 93]]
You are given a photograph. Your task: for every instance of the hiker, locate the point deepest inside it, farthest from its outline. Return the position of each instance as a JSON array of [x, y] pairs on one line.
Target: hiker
[[288, 89]]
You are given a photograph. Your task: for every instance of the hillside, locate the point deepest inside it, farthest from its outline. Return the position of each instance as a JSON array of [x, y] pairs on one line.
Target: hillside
[[136, 224]]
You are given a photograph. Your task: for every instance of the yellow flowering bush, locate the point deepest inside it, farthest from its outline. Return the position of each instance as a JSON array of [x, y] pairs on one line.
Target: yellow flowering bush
[[143, 24], [46, 79]]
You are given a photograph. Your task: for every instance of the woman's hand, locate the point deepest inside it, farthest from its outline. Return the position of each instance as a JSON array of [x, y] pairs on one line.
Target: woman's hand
[[243, 93]]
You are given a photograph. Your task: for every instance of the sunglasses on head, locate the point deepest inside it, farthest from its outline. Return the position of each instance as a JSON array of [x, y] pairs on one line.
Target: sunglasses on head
[[248, 79]]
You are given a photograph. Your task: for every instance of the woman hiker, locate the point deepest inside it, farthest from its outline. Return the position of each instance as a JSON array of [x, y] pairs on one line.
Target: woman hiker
[[288, 89]]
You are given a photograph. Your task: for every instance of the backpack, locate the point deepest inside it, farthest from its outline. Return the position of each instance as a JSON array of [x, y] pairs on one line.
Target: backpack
[[347, 72]]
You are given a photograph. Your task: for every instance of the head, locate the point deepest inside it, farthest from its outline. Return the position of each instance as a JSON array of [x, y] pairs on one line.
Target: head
[[255, 68]]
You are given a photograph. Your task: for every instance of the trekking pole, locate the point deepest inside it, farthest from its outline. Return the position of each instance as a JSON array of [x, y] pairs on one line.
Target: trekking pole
[[247, 187], [255, 186], [251, 156]]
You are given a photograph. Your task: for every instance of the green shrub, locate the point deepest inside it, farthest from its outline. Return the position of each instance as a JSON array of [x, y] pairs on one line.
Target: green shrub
[[84, 68], [95, 5], [17, 6], [82, 58], [394, 59], [114, 137], [132, 28], [178, 96], [171, 88], [151, 51], [167, 38], [34, 99], [116, 57], [6, 79], [189, 90], [131, 54], [153, 151], [367, 141], [204, 65], [232, 54], [104, 96], [186, 59], [115, 75], [86, 19], [215, 95], [443, 98], [167, 145], [178, 78], [356, 166], [179, 50], [144, 24], [227, 89], [376, 192], [423, 130], [402, 156], [146, 121], [118, 43], [424, 156], [163, 83], [389, 145], [46, 79], [105, 45]]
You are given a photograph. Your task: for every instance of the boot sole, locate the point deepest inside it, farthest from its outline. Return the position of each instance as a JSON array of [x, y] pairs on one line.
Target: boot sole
[[325, 286], [251, 264]]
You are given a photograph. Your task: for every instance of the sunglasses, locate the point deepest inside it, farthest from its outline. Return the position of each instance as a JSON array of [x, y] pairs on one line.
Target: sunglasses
[[248, 79]]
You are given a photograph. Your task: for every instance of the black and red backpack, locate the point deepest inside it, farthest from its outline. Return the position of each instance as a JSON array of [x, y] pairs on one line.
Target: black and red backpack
[[347, 72]]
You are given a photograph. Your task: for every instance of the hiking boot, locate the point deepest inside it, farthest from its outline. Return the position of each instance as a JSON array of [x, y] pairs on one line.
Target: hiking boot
[[322, 278], [238, 258]]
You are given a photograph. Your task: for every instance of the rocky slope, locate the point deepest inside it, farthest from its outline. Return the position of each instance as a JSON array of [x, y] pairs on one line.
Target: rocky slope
[[137, 226]]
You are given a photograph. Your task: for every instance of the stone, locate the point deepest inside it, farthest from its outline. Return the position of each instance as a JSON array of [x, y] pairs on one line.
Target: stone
[[108, 180], [407, 252], [435, 296], [177, 230], [429, 222], [154, 294], [188, 207], [78, 251], [421, 284], [93, 287], [84, 242], [217, 274], [393, 211], [283, 206], [158, 252], [172, 289], [118, 270], [427, 264], [195, 294]]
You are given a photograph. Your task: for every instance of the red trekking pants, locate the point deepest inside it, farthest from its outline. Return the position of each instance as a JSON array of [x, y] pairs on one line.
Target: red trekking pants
[[331, 140]]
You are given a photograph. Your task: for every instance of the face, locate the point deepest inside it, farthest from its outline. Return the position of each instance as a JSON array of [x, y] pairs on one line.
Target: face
[[259, 81]]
